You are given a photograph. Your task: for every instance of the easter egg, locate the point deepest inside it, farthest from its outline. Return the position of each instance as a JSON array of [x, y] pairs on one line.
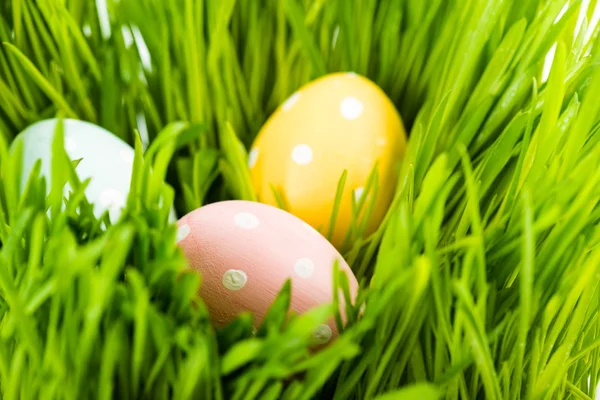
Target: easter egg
[[339, 122], [105, 158], [245, 251]]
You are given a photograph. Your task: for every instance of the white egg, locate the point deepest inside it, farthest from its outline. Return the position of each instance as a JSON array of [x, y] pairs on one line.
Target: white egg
[[105, 158]]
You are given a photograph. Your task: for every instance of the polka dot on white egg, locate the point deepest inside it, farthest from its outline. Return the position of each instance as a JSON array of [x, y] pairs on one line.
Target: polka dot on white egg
[[252, 157], [351, 108], [291, 102], [322, 334], [182, 232], [70, 144], [304, 267], [112, 198], [246, 220], [234, 279], [302, 154], [126, 156]]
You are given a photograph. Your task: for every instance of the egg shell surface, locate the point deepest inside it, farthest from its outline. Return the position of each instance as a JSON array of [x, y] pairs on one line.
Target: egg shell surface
[[105, 158], [339, 122], [246, 251]]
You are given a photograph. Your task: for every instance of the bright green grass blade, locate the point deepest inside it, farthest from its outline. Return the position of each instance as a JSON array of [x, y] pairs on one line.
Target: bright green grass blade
[[337, 202], [294, 14], [480, 277], [414, 392], [39, 79]]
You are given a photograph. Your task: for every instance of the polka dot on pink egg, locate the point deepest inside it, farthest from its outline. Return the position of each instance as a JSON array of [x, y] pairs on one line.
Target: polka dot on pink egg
[[246, 251]]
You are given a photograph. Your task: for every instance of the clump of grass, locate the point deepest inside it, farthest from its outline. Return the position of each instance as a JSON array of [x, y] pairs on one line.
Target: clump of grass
[[482, 282]]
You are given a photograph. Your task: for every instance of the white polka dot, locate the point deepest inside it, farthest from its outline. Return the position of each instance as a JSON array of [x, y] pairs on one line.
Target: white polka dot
[[351, 108], [127, 156], [302, 154], [304, 267], [70, 145], [246, 220], [182, 232], [252, 157], [352, 74], [291, 102], [322, 334], [358, 192], [112, 198], [234, 279]]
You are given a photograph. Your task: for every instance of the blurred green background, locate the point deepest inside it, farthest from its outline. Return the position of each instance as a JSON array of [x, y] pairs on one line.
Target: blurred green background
[[481, 283]]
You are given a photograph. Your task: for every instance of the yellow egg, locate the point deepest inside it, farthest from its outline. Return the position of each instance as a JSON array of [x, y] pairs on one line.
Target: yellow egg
[[338, 122]]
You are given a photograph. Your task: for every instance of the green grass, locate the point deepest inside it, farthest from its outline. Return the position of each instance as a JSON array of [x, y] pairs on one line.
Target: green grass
[[481, 283]]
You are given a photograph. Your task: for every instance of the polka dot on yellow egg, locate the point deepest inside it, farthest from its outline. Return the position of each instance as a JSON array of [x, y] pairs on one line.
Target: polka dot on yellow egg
[[253, 157], [302, 154], [339, 122], [351, 108], [290, 102]]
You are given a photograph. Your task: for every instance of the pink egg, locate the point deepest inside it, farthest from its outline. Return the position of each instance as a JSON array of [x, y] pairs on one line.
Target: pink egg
[[246, 251]]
